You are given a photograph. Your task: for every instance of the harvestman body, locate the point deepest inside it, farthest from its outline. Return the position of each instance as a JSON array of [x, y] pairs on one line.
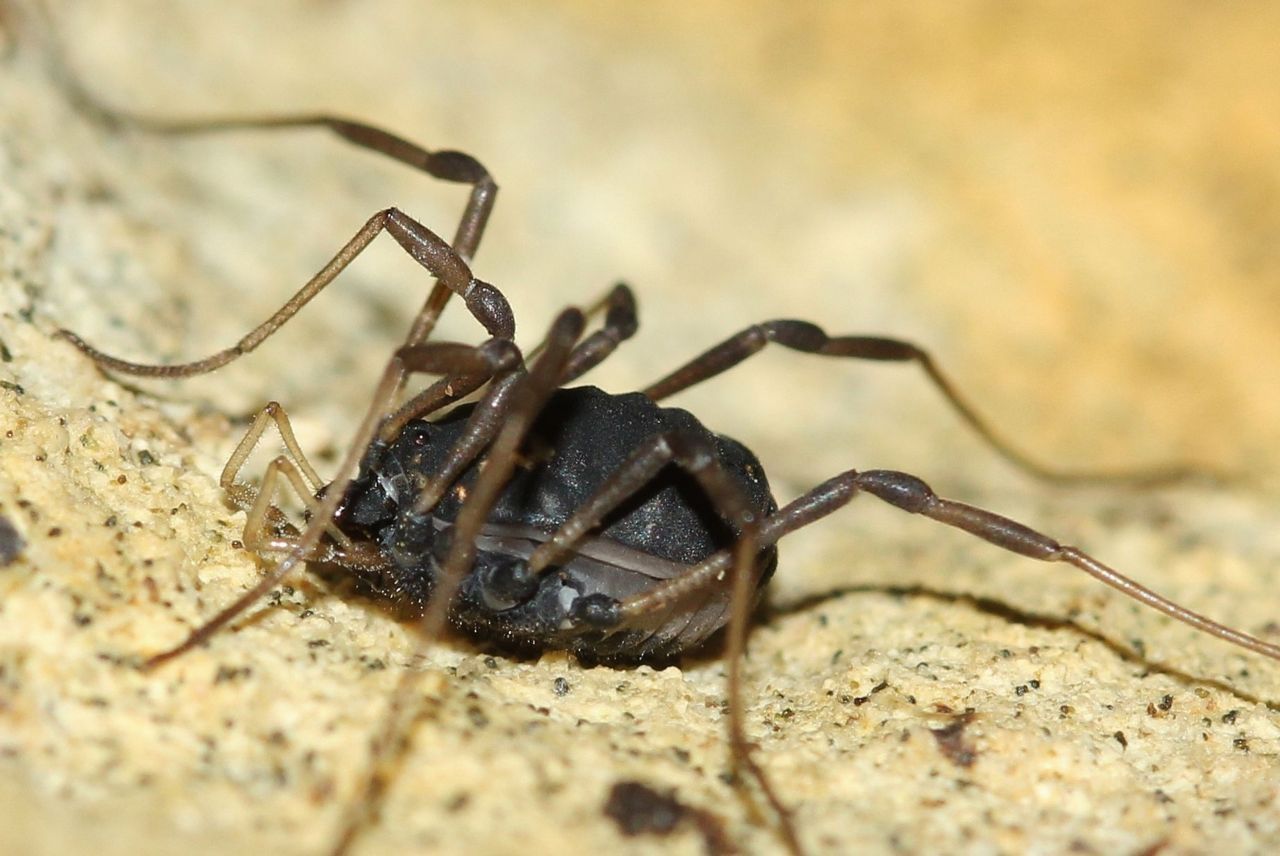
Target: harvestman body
[[551, 517]]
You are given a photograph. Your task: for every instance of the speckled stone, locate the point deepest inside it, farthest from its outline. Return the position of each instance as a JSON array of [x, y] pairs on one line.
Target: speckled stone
[[1077, 208]]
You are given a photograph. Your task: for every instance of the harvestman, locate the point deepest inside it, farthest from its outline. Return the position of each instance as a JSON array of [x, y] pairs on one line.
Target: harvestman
[[552, 517]]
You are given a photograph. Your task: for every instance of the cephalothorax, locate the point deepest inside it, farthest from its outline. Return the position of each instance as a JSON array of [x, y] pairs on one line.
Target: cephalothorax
[[539, 515]]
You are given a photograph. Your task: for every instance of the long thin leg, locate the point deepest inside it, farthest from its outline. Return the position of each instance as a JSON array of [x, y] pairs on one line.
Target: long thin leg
[[522, 407], [448, 264], [431, 399], [913, 495], [482, 426], [811, 339], [620, 323], [698, 457], [901, 490], [446, 165], [910, 494], [484, 301], [525, 401]]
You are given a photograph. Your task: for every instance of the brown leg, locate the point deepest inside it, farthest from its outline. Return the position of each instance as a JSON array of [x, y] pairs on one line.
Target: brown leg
[[811, 339], [620, 324], [696, 456], [431, 399], [446, 165], [909, 494], [913, 495], [520, 406], [485, 302]]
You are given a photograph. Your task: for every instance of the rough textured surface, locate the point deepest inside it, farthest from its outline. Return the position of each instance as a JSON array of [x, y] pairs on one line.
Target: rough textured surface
[[1078, 210]]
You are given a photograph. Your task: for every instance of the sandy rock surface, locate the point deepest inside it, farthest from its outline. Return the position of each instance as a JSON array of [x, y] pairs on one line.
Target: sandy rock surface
[[1077, 211]]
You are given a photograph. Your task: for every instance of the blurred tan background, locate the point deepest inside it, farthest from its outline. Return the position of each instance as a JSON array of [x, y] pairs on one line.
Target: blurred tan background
[[1076, 208]]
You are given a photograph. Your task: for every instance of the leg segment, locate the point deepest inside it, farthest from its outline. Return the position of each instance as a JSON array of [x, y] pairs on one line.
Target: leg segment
[[433, 398], [620, 324], [521, 406], [482, 426], [485, 302], [446, 165], [696, 455], [811, 339], [901, 490], [913, 495], [524, 402]]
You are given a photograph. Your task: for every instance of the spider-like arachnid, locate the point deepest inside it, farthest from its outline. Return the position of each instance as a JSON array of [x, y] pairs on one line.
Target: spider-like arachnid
[[537, 515]]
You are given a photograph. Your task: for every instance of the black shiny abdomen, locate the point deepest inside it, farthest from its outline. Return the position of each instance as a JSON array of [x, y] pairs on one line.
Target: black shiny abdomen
[[583, 436]]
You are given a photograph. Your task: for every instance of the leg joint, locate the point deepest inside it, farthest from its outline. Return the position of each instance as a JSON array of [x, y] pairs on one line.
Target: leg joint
[[899, 489]]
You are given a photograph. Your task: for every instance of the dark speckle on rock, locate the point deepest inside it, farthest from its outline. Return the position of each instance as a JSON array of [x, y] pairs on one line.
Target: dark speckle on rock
[[11, 542], [638, 809], [952, 743]]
